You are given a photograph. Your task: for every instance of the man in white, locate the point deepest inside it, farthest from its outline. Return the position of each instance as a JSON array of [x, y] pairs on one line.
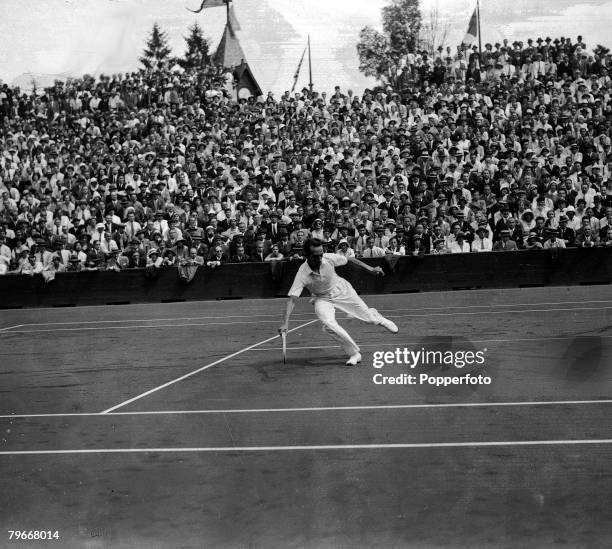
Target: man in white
[[461, 245], [553, 241], [371, 250], [482, 241], [330, 292]]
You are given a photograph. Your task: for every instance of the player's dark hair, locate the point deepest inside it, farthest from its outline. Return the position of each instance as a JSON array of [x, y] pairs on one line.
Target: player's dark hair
[[311, 243]]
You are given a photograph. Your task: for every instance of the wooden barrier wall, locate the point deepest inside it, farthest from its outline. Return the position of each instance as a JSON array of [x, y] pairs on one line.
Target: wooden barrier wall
[[572, 266]]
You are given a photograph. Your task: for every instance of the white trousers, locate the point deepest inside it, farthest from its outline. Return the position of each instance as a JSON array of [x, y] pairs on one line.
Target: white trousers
[[345, 298]]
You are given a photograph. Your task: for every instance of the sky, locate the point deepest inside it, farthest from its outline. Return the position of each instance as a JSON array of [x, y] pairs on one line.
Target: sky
[[73, 37]]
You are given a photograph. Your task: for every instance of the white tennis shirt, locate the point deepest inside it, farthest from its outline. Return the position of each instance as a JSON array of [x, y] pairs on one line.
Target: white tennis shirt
[[325, 283]]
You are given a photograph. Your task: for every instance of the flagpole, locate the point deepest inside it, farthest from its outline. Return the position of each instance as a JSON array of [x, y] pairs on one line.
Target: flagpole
[[479, 37], [309, 67]]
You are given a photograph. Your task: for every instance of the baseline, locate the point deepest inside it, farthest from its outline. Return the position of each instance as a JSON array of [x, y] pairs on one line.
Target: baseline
[[391, 446]]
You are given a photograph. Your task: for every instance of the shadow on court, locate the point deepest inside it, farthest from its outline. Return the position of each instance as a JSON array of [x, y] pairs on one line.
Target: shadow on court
[[584, 360]]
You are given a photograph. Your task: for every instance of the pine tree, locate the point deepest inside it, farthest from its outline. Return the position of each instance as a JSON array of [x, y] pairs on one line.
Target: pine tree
[[196, 55], [157, 52]]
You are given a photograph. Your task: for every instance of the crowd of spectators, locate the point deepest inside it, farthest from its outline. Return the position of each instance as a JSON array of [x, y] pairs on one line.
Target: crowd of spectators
[[508, 150]]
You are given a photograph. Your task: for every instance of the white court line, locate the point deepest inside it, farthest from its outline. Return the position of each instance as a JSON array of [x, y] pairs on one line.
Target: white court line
[[226, 317], [458, 313], [407, 445], [172, 382], [139, 326], [406, 344], [316, 409], [310, 314], [504, 312], [11, 327]]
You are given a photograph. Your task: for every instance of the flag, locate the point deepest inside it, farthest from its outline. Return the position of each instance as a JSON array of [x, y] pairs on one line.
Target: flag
[[297, 71], [209, 4], [472, 30], [232, 18]]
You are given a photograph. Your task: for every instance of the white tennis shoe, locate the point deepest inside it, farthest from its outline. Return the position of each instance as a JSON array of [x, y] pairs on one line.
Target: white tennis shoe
[[354, 359], [389, 325]]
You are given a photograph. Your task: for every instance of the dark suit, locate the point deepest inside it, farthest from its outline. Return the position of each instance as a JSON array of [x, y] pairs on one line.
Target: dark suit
[[258, 257], [509, 246], [273, 232]]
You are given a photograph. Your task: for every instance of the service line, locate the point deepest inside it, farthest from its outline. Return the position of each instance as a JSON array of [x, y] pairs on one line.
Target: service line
[[315, 409]]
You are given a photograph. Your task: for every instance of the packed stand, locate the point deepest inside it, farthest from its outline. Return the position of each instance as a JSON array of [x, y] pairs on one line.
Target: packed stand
[[146, 170]]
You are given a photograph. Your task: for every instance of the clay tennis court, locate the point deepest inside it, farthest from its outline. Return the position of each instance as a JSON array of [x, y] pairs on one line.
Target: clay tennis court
[[177, 425]]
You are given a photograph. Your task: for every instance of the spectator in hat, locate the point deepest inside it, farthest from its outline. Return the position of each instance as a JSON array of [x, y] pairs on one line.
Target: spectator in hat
[[573, 221], [565, 233], [137, 260], [553, 241], [154, 259], [317, 229], [74, 264], [460, 244], [439, 247], [380, 240], [112, 261], [527, 221], [344, 248], [505, 244], [169, 257], [482, 240]]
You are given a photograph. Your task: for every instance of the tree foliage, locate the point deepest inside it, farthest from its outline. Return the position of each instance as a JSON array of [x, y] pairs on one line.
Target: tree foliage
[[402, 23], [382, 55], [197, 54], [157, 51], [373, 51]]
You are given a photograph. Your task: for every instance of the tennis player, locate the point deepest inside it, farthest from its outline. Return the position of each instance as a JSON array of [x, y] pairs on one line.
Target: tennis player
[[331, 292]]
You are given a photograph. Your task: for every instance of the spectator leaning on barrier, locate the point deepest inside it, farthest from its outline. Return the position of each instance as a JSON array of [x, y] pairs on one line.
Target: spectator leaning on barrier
[[505, 244]]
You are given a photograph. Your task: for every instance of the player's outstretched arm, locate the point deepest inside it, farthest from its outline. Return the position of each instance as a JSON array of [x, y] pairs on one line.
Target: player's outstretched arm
[[374, 270], [290, 305]]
